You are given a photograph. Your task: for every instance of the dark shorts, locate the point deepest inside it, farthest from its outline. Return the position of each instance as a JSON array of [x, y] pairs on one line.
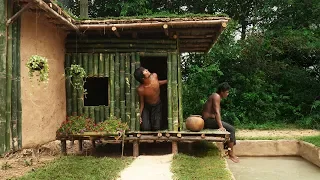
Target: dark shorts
[[151, 117], [212, 124]]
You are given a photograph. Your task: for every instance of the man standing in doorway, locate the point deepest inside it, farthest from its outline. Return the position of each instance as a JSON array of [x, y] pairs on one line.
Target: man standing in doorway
[[149, 99], [212, 117]]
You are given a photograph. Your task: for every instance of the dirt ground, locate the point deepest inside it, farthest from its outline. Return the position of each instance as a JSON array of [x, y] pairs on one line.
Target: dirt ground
[[30, 159], [277, 133]]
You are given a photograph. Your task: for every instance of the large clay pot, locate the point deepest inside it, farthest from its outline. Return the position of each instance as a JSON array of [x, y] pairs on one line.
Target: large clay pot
[[194, 123]]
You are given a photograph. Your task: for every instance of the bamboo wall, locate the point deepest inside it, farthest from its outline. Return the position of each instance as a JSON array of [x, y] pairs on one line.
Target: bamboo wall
[[10, 91], [117, 60]]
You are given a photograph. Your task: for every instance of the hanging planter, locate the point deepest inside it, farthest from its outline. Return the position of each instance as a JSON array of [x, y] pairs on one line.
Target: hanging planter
[[38, 64], [77, 75]]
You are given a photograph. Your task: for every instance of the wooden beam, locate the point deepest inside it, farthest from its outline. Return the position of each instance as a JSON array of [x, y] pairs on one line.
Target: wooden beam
[[114, 29], [150, 25], [9, 21]]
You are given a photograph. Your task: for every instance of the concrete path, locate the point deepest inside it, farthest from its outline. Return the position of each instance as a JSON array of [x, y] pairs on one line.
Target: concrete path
[[149, 168]]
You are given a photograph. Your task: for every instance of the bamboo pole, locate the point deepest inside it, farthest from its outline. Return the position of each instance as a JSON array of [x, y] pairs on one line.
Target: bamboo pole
[[106, 112], [95, 64], [111, 85], [106, 65], [80, 102], [14, 99], [68, 86], [74, 102], [102, 50], [8, 78], [181, 122], [144, 54], [101, 111], [79, 59], [86, 111], [111, 46], [175, 114], [128, 90], [97, 114], [137, 64], [3, 55], [91, 113], [90, 65], [149, 25], [101, 65], [122, 88], [117, 85], [169, 92], [121, 41], [133, 93], [85, 62], [19, 106]]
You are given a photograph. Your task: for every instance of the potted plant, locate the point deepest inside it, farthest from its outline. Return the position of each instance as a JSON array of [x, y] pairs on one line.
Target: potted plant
[[38, 64], [77, 75]]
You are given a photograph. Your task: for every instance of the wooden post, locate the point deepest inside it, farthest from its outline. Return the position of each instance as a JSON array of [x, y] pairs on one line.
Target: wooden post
[[165, 28], [80, 145], [138, 115], [64, 147], [90, 65], [102, 115], [95, 64], [175, 114], [106, 65], [135, 148], [128, 90], [114, 29], [174, 147]]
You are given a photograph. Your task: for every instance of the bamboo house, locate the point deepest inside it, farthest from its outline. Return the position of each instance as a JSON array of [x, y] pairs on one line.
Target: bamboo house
[[108, 50]]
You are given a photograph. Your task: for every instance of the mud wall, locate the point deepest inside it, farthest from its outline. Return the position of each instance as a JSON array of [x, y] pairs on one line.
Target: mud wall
[[43, 106]]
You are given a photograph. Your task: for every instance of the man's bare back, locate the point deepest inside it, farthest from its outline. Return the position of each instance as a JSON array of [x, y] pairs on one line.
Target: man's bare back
[[209, 107]]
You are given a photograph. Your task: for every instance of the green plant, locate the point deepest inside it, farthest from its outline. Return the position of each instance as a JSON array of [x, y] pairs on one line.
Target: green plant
[[5, 166], [81, 124], [28, 162], [77, 75], [111, 125], [38, 64], [76, 124]]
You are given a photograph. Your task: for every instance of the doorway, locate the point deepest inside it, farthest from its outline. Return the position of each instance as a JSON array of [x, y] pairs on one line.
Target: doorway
[[159, 65]]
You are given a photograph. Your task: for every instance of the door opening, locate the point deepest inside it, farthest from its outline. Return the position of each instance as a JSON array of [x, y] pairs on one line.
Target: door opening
[[159, 65]]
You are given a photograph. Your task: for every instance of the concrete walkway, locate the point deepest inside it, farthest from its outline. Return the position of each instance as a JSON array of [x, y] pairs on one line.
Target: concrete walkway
[[149, 168]]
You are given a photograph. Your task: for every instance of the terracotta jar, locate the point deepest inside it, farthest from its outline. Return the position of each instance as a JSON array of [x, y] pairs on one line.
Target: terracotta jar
[[194, 123]]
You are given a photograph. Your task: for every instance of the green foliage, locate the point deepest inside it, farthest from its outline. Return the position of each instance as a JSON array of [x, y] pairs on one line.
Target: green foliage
[[38, 64], [80, 167], [77, 75]]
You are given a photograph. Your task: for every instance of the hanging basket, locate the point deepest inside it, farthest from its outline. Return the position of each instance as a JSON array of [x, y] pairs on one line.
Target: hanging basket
[[77, 75], [38, 64]]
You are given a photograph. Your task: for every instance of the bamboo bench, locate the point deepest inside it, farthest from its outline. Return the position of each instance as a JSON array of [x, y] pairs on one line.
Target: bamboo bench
[[139, 136]]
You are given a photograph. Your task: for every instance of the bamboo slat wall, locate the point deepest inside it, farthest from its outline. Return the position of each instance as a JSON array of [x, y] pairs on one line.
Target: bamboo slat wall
[[118, 66]]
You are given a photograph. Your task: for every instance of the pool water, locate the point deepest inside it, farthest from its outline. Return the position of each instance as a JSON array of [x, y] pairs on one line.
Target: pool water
[[274, 168]]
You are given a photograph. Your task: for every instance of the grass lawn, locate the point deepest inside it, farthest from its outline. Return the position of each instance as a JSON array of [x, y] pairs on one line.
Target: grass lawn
[[203, 163], [312, 139], [79, 167]]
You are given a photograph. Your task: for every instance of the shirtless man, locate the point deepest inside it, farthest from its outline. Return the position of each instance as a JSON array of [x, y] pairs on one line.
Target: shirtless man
[[212, 117], [149, 98]]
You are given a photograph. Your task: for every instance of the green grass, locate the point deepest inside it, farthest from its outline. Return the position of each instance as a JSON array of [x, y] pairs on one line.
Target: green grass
[[204, 163], [312, 139], [79, 167]]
